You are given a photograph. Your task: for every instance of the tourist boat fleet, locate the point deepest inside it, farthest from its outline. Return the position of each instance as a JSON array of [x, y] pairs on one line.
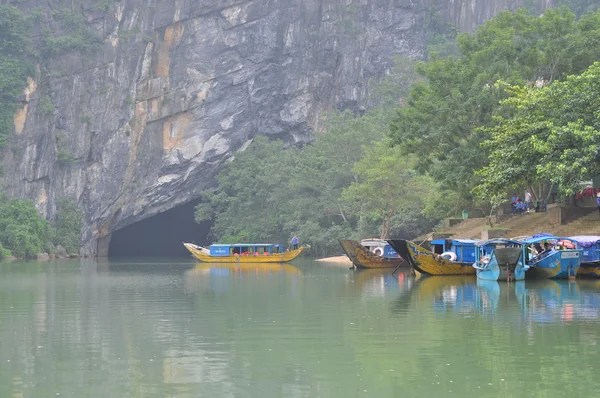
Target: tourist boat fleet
[[541, 256]]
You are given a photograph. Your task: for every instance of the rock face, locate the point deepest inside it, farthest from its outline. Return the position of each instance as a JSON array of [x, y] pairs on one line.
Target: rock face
[[141, 123]]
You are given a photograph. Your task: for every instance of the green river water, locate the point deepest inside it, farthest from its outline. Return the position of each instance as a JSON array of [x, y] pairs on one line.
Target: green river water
[[160, 328]]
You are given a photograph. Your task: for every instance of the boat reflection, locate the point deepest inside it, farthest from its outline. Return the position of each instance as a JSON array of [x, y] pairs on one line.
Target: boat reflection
[[540, 301], [561, 301], [218, 276], [378, 282]]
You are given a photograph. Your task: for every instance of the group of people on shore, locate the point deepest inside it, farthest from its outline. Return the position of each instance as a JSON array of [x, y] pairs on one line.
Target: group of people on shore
[[519, 206]]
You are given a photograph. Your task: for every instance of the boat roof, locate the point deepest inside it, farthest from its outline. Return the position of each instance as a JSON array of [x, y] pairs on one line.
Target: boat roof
[[374, 240], [499, 240], [244, 244], [454, 241], [586, 240], [537, 239]]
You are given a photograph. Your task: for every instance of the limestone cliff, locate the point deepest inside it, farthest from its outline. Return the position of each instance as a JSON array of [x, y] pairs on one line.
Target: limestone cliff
[[140, 123]]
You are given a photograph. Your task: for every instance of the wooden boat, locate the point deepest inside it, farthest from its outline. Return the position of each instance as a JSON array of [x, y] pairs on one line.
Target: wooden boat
[[244, 253], [429, 263], [501, 260], [590, 262], [372, 253], [554, 264]]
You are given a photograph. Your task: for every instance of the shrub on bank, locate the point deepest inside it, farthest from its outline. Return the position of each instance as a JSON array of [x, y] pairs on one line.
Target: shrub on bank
[[24, 234], [22, 231]]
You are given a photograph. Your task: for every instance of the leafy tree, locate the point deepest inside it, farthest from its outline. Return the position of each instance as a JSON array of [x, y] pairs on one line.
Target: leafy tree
[[552, 134], [22, 231], [443, 115], [67, 225], [246, 204], [386, 187]]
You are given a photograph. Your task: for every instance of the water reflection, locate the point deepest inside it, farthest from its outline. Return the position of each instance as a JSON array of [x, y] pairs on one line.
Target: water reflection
[[379, 282], [159, 329], [561, 301], [539, 301], [219, 277]]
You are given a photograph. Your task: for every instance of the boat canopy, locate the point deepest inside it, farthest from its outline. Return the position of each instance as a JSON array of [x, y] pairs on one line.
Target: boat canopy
[[499, 241], [222, 249], [374, 242], [586, 241], [463, 248], [537, 239]]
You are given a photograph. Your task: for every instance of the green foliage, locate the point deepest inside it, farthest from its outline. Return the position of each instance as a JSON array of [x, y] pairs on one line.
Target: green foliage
[[67, 225], [22, 231], [105, 5], [64, 157], [441, 121], [77, 36], [46, 106], [552, 134], [386, 186], [14, 65]]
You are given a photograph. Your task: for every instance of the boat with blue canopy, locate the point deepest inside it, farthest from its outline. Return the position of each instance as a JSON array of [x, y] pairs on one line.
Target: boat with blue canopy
[[371, 253], [558, 259], [446, 257], [590, 261], [501, 259], [244, 253]]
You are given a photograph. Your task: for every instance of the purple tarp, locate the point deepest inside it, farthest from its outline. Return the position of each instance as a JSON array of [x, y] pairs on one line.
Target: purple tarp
[[585, 240]]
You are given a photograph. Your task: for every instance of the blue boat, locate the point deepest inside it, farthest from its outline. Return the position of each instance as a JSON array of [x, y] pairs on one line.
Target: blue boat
[[501, 260], [560, 260], [459, 250], [590, 261]]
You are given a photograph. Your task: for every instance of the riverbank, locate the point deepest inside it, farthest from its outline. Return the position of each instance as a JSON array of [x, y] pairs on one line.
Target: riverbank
[[341, 260]]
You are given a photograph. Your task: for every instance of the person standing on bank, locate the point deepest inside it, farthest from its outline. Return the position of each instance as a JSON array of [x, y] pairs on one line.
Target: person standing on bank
[[527, 201], [294, 242], [598, 201]]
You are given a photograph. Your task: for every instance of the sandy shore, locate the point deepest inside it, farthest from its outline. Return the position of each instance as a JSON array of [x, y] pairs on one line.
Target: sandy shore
[[337, 260]]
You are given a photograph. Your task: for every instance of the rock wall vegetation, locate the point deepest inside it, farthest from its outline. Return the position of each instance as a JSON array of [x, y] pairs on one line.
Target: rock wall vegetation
[[130, 107]]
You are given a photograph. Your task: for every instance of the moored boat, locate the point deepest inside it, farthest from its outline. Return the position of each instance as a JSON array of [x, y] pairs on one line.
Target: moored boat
[[244, 253], [551, 263], [590, 261], [501, 260], [371, 253], [429, 262]]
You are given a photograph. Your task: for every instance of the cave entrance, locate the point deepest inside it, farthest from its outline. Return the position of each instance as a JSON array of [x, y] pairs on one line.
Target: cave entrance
[[161, 235]]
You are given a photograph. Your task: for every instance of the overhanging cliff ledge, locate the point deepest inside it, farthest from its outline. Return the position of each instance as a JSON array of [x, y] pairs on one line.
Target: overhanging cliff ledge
[[140, 120]]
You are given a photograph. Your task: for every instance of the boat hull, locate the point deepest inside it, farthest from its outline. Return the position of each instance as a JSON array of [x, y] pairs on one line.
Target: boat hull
[[589, 269], [501, 273], [505, 264], [562, 264], [427, 262], [274, 258], [364, 259]]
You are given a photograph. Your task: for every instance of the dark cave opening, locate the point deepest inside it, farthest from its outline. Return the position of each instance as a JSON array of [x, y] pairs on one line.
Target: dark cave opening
[[161, 235]]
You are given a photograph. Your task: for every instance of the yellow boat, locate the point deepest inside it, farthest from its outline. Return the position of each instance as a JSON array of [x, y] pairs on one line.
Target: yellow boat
[[371, 253], [429, 263], [244, 253]]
